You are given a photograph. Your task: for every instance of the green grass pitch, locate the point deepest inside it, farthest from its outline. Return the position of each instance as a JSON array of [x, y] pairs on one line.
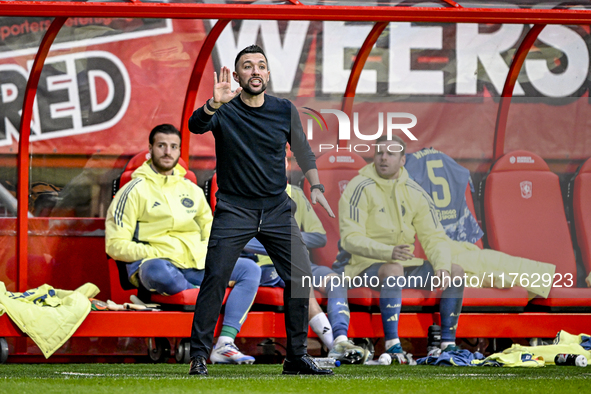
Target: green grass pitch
[[173, 378]]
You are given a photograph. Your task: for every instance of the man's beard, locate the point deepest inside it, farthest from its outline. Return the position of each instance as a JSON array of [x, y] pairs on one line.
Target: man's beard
[[246, 87], [161, 167]]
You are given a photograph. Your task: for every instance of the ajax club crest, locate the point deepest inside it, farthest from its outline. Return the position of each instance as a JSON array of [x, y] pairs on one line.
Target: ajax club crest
[[187, 202]]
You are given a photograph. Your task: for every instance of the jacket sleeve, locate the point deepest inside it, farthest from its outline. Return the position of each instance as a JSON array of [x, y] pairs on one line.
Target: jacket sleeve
[[120, 226], [353, 213], [314, 240], [431, 233], [200, 122], [298, 143]]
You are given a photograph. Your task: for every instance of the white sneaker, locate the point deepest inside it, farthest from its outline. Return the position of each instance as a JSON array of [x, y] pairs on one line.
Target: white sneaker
[[347, 353], [229, 354]]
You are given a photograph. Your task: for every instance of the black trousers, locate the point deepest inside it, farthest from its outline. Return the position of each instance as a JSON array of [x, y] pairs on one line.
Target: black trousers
[[279, 233]]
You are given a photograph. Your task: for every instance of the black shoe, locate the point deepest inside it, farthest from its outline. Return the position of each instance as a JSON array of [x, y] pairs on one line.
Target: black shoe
[[304, 365], [198, 366]]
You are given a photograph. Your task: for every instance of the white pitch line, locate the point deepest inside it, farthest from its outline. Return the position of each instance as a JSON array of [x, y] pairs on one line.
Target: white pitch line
[[87, 374]]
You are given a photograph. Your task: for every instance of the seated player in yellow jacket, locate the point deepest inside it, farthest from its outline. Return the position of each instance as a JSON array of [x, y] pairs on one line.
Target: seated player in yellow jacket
[[159, 223]]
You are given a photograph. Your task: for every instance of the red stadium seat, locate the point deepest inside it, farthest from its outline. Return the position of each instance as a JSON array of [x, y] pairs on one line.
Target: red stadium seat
[[269, 298], [185, 298], [524, 216], [121, 289], [210, 189], [485, 299], [582, 212], [492, 300]]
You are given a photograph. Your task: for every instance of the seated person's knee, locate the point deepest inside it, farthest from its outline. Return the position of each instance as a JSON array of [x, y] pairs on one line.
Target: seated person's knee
[[457, 271], [161, 276], [329, 281], [390, 269], [155, 270], [248, 270]]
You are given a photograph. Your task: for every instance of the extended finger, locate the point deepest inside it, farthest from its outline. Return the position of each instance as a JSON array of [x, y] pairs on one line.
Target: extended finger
[[407, 255], [403, 250], [326, 206]]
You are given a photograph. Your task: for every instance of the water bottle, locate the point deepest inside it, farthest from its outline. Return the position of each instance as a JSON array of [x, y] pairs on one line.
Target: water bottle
[[571, 359], [327, 362], [434, 336], [433, 339]]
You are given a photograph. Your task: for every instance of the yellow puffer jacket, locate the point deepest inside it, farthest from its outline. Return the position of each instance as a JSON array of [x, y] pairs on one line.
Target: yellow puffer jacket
[[49, 316], [159, 216]]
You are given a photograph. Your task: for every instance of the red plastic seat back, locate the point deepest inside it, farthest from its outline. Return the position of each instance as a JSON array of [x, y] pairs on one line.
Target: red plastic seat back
[[335, 170], [524, 211], [212, 186], [582, 212], [118, 277]]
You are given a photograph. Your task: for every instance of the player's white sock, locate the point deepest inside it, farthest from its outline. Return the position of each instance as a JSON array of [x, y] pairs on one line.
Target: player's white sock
[[444, 345], [321, 326], [222, 340], [391, 342]]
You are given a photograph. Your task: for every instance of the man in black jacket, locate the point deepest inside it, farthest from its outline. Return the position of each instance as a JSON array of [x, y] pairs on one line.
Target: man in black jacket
[[251, 130]]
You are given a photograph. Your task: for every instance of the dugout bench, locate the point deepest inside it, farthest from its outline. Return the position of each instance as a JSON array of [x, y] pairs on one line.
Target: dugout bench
[[162, 325]]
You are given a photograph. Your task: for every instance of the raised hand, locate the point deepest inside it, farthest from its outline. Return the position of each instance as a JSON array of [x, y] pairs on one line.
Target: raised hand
[[222, 89]]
